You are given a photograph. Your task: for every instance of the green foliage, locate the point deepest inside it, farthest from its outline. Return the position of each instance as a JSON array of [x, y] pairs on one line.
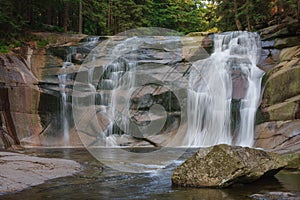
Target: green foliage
[[182, 15], [10, 21], [109, 17], [4, 49], [42, 43], [253, 14]]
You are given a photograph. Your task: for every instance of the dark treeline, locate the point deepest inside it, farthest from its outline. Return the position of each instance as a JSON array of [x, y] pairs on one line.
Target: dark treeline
[[109, 17]]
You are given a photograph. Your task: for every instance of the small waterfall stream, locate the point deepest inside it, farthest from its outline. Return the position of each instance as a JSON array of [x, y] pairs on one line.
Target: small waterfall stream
[[65, 82], [119, 83], [64, 110], [63, 107], [224, 92]]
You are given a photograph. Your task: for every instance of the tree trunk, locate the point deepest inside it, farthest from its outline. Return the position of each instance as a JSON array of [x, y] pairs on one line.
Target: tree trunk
[[248, 23], [248, 16], [49, 15], [80, 18], [298, 10], [109, 15], [237, 21], [29, 13], [66, 17]]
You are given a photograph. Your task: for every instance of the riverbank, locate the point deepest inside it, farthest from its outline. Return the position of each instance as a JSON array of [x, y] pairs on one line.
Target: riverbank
[[97, 181], [19, 171]]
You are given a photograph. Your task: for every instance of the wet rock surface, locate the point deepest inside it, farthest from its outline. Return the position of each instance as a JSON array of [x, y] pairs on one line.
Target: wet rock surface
[[222, 165], [279, 136], [19, 171], [279, 112], [293, 160], [35, 78], [276, 196]]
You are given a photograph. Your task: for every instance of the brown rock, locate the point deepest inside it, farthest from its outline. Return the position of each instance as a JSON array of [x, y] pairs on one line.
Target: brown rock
[[278, 136], [56, 39]]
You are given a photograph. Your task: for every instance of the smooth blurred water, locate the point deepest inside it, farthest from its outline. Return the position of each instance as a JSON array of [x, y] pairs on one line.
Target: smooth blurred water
[[229, 74], [99, 182]]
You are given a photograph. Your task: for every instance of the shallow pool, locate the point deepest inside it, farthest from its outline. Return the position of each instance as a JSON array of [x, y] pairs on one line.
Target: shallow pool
[[97, 181]]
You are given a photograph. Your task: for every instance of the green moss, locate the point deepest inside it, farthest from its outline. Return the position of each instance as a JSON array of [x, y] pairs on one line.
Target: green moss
[[285, 112], [287, 42], [283, 86], [4, 49], [261, 117], [42, 43], [293, 160], [288, 53]]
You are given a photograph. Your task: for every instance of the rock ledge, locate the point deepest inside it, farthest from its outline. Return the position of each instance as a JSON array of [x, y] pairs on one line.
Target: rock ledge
[[20, 171]]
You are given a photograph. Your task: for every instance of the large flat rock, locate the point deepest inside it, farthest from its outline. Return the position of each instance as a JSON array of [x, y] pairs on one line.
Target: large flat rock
[[20, 171]]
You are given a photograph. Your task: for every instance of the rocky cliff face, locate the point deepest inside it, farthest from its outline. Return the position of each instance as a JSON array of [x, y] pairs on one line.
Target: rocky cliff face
[[31, 95], [26, 107], [31, 92], [279, 113], [20, 97]]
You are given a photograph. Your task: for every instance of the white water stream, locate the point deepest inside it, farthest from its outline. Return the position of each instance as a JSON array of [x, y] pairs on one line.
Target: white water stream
[[229, 75]]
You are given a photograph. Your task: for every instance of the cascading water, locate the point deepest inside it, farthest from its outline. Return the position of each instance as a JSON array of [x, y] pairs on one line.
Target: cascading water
[[119, 61], [120, 76], [63, 78], [63, 108], [224, 92], [64, 111]]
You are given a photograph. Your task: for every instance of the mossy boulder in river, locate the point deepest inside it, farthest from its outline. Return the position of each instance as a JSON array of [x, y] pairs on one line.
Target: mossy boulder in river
[[223, 165]]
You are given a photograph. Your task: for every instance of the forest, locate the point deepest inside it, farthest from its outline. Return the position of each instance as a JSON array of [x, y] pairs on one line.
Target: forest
[[109, 17]]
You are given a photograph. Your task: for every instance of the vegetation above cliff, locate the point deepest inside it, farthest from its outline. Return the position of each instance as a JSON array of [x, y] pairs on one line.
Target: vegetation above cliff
[[109, 17]]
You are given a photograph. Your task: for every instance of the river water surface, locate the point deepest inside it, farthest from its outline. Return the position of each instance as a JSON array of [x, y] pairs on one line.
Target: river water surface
[[96, 181]]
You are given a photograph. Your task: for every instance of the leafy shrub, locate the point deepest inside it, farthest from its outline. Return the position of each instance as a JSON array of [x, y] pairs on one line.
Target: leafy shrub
[[42, 43], [4, 49]]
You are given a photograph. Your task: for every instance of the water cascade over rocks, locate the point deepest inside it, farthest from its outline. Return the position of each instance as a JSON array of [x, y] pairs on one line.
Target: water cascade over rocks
[[224, 92], [66, 80], [132, 89], [125, 85]]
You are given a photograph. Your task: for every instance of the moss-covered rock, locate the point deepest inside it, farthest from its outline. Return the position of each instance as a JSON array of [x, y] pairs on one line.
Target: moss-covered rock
[[281, 43], [286, 28], [56, 39], [286, 110], [293, 160], [288, 53], [222, 165], [283, 84]]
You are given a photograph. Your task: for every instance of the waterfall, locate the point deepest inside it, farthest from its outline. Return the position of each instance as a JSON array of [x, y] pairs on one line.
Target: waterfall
[[224, 92], [120, 65], [64, 110], [66, 81], [223, 89], [120, 79]]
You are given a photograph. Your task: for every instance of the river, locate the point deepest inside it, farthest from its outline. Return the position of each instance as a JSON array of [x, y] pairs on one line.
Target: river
[[97, 181]]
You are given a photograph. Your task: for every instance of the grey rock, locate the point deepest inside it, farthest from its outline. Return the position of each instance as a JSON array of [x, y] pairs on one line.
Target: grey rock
[[223, 165], [20, 171]]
